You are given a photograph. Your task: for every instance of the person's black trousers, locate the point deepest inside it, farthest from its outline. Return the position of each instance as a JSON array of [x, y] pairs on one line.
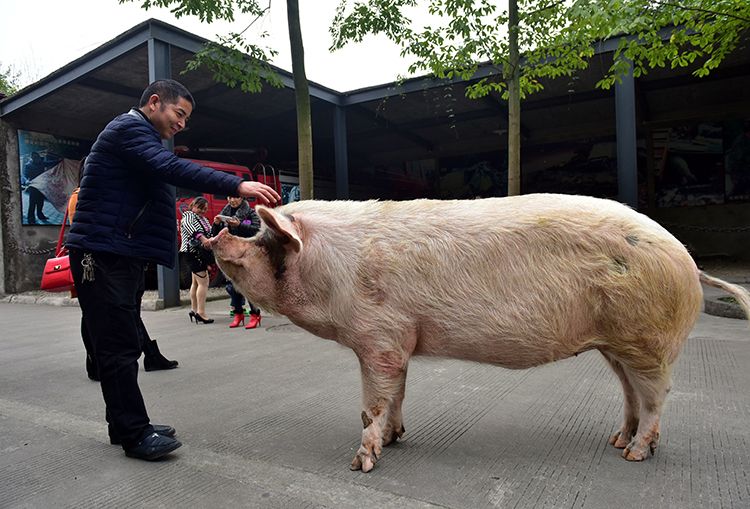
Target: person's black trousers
[[237, 300], [36, 204], [110, 309], [92, 368]]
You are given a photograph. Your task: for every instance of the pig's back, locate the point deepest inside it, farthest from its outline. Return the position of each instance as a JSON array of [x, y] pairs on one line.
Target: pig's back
[[461, 218], [524, 279]]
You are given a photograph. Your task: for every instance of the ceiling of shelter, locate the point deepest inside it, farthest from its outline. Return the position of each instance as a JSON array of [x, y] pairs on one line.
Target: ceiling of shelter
[[443, 121], [427, 120]]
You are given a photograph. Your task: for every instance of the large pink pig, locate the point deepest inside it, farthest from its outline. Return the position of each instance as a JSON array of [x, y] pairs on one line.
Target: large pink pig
[[516, 282]]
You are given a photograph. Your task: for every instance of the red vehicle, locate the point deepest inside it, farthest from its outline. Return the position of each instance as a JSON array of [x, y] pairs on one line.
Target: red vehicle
[[261, 172]]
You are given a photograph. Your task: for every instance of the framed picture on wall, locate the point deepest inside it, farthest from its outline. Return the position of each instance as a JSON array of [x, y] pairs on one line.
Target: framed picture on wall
[[49, 173]]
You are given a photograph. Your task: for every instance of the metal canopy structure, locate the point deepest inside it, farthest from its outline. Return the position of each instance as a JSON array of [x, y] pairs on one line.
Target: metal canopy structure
[[80, 98], [369, 129]]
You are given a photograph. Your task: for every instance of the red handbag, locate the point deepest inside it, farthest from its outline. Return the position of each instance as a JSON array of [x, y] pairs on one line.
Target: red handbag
[[57, 276]]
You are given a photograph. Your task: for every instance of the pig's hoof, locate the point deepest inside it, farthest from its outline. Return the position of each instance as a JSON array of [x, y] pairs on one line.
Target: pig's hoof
[[364, 463], [619, 440], [364, 460], [636, 452], [652, 446], [356, 463], [392, 435], [631, 455]]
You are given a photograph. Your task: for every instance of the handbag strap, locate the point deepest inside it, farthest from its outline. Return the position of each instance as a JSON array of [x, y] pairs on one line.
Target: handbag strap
[[59, 249]]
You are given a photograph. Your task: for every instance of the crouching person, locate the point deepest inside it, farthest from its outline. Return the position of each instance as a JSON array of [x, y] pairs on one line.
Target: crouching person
[[125, 217]]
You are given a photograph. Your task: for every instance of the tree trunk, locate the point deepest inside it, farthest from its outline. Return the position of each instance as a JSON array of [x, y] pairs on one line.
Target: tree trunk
[[514, 102], [302, 96]]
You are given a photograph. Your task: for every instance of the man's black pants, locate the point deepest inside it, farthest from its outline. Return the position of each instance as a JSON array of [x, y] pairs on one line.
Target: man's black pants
[[110, 308], [88, 343]]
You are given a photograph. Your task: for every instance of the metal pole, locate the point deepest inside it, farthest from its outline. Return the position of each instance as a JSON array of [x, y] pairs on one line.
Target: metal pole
[[340, 151], [627, 143], [160, 67]]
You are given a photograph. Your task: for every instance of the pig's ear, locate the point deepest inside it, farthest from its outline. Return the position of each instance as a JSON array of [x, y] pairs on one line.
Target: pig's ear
[[281, 225]]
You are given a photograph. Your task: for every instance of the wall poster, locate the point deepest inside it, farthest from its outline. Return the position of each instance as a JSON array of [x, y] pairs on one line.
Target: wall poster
[[49, 173]]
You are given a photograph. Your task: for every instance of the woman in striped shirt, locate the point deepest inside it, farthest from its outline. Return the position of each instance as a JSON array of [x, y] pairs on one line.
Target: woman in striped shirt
[[195, 231]]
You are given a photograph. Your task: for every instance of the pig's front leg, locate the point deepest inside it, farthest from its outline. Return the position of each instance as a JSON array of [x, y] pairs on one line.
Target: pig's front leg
[[383, 386], [395, 428]]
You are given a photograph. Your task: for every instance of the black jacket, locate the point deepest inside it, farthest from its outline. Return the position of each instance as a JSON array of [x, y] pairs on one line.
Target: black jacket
[[125, 205], [249, 220]]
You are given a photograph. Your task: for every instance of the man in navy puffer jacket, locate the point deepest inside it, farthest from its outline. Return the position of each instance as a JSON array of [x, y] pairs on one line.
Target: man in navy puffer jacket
[[126, 217]]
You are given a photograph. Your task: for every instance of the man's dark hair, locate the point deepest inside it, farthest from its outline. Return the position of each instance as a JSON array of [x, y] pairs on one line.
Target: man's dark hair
[[169, 91]]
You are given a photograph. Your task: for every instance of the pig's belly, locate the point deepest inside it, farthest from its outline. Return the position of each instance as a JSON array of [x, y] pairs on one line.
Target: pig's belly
[[514, 352]]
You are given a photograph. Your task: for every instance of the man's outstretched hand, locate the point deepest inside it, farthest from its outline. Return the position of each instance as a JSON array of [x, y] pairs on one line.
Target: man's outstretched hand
[[263, 193]]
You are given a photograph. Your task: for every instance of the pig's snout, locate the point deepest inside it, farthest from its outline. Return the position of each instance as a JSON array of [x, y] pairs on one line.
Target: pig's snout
[[215, 240], [227, 247], [219, 242]]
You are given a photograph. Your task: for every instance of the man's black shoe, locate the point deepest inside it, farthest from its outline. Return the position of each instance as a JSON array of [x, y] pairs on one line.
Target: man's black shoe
[[162, 429], [153, 447]]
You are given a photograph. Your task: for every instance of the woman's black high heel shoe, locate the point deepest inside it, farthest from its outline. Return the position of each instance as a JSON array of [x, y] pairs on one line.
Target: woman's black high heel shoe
[[200, 319], [192, 315]]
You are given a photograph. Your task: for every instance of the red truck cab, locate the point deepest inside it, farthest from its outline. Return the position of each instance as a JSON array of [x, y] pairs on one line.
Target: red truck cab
[[261, 173]]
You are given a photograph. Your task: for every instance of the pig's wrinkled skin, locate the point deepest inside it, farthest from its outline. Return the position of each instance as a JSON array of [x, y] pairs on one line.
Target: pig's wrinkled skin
[[516, 282]]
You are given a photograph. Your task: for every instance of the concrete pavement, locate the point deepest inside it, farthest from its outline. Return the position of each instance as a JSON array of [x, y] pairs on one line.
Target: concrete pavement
[[270, 418]]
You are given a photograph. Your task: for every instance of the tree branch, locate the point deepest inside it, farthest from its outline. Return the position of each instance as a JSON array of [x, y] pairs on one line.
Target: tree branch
[[527, 14], [257, 18], [706, 11]]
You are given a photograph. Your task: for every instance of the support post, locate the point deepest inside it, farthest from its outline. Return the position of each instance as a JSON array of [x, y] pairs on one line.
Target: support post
[[160, 67], [627, 149], [340, 153]]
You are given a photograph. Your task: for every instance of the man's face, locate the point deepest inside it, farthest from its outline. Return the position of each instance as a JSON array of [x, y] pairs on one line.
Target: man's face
[[234, 202], [168, 119]]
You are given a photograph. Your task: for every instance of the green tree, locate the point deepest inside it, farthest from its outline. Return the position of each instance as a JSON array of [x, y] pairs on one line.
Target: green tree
[[535, 39], [8, 81], [655, 33], [302, 98], [235, 61]]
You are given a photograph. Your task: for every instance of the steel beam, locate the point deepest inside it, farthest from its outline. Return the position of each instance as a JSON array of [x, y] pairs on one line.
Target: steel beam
[[627, 150], [159, 68], [340, 153]]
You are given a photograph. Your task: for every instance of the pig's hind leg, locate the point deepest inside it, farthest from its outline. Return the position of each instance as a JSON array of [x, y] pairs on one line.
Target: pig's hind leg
[[631, 407], [652, 386], [383, 387], [646, 380]]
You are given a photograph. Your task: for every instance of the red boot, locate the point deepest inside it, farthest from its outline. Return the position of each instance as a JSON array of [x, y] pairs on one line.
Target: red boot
[[254, 321], [239, 318]]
